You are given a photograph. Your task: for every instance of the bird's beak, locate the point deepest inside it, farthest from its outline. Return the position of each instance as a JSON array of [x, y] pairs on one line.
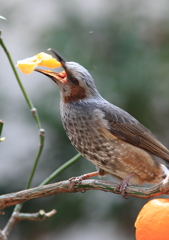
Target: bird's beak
[[56, 77], [58, 56]]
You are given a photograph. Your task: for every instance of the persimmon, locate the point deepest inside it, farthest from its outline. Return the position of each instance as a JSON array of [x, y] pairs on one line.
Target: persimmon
[[152, 222], [41, 59]]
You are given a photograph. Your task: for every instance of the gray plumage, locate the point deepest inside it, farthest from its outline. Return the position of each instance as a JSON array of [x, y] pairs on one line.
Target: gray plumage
[[106, 135]]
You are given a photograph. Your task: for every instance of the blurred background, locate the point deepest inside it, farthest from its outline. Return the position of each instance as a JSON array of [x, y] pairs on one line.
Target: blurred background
[[125, 46]]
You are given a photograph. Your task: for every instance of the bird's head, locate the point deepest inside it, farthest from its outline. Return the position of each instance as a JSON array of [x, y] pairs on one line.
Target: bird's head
[[75, 83]]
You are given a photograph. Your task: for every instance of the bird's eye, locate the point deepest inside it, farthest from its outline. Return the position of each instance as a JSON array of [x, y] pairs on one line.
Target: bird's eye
[[74, 80]]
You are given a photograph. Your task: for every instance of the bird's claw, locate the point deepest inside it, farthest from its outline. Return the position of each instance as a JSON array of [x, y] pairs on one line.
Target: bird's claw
[[123, 186], [77, 180], [122, 189], [73, 181]]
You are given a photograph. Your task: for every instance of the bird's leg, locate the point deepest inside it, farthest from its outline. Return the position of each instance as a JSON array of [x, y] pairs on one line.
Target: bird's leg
[[123, 185], [77, 180]]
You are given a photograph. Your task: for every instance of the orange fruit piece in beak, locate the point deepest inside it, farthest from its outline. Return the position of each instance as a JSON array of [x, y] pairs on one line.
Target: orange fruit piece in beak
[[42, 59]]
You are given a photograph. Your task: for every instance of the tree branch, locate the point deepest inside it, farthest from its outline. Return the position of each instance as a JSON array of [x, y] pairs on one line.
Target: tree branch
[[65, 186], [17, 217]]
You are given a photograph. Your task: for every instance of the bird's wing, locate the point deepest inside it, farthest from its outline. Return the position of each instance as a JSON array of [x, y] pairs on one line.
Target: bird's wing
[[122, 125]]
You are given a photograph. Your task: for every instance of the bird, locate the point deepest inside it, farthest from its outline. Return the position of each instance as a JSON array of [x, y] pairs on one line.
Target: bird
[[108, 136]]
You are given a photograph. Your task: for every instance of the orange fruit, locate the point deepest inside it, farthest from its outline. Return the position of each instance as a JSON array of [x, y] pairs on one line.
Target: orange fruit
[[152, 222], [41, 59], [47, 60]]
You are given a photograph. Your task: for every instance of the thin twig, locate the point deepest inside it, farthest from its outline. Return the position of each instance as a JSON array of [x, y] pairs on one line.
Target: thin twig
[[61, 169], [17, 217], [11, 222], [42, 138], [39, 216]]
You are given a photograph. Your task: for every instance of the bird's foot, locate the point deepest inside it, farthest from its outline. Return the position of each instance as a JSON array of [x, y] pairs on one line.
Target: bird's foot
[[123, 186], [77, 180]]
